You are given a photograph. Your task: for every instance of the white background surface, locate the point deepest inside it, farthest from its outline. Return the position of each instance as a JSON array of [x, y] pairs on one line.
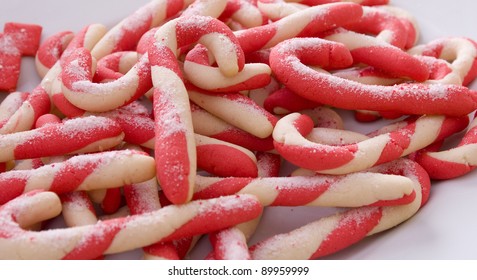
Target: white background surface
[[446, 228]]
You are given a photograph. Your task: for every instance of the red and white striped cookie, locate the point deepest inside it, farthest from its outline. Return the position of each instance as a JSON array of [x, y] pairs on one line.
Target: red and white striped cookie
[[84, 172], [81, 135], [351, 190], [79, 89], [111, 236], [308, 22], [393, 142], [85, 38], [173, 121], [453, 162], [125, 35], [288, 61], [334, 233]]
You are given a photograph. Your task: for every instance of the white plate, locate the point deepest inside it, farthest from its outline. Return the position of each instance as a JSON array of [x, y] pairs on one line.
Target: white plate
[[444, 229]]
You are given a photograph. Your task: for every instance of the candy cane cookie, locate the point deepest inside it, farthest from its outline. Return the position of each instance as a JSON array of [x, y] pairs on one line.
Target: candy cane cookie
[[400, 140], [237, 110], [17, 40], [199, 72], [453, 162], [304, 23], [81, 135], [333, 233], [323, 190], [209, 125], [461, 54], [277, 9], [111, 236], [173, 121], [125, 35], [83, 172], [78, 88], [87, 38], [50, 50], [288, 62]]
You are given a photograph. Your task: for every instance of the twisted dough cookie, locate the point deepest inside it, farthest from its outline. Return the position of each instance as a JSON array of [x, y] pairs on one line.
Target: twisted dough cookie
[[453, 162], [79, 89], [111, 236], [336, 232], [84, 172], [304, 23], [387, 144], [288, 61], [327, 191], [81, 135], [174, 144]]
